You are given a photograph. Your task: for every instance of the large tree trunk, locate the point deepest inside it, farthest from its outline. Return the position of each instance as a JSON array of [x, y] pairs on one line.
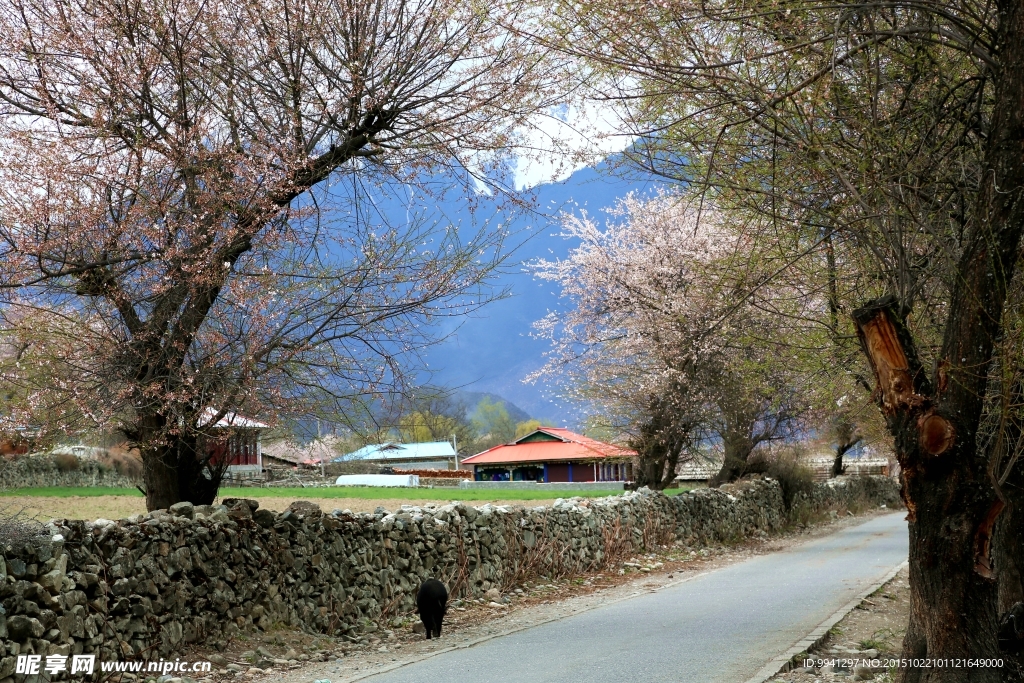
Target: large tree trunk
[[951, 503], [656, 467], [846, 435], [947, 487], [737, 445], [174, 468], [160, 468], [953, 603], [660, 444], [733, 467]]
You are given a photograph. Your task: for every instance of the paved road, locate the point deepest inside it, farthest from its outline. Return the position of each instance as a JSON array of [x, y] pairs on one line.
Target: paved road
[[723, 626]]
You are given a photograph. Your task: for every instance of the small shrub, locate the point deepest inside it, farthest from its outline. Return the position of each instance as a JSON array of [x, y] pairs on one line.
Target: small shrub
[[793, 476], [66, 462], [17, 526], [127, 465]]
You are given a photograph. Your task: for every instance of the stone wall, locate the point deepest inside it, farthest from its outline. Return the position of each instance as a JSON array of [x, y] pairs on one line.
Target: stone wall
[[42, 470], [150, 585]]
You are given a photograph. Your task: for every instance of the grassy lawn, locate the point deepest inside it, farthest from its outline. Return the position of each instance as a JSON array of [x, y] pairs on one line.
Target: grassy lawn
[[91, 503], [360, 492]]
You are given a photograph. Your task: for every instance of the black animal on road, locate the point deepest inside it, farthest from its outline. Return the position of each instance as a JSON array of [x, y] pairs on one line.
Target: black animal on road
[[432, 603]]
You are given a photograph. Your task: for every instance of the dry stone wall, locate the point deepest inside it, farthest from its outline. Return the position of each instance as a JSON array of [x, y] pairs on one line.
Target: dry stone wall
[[151, 585], [43, 471]]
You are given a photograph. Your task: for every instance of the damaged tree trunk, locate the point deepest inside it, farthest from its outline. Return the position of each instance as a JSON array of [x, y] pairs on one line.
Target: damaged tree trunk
[[950, 500], [947, 485]]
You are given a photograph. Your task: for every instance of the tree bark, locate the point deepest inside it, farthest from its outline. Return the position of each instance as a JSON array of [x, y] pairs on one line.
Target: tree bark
[[733, 467], [174, 467], [838, 468], [737, 445], [847, 439], [946, 484], [950, 503], [660, 444], [160, 468], [1008, 556]]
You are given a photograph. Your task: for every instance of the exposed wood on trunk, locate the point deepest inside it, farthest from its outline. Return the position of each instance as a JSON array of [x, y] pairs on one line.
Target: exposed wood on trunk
[[884, 339], [949, 500], [937, 433], [983, 541]]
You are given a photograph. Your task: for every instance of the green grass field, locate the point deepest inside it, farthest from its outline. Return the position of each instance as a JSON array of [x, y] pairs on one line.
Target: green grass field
[[362, 492], [45, 503]]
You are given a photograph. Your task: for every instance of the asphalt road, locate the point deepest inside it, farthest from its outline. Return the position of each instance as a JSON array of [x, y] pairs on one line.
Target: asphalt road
[[722, 626]]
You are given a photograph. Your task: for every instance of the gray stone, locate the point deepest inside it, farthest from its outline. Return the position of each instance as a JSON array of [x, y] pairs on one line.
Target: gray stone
[[305, 508], [219, 516], [17, 567], [265, 518], [253, 505], [174, 632], [863, 673], [183, 509], [7, 666], [20, 627]]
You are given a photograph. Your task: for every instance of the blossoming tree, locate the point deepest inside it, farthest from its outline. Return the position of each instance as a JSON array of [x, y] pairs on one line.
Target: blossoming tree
[[174, 187]]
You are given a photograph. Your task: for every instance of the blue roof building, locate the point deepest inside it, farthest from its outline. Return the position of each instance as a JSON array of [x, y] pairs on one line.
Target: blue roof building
[[435, 455]]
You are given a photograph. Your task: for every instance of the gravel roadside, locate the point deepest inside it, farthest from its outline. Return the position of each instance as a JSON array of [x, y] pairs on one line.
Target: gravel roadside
[[871, 633]]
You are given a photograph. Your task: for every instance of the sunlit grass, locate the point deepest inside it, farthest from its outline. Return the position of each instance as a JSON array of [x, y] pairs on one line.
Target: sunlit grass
[[363, 492]]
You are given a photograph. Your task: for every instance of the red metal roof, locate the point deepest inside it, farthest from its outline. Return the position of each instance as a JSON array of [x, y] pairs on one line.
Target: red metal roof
[[570, 446]]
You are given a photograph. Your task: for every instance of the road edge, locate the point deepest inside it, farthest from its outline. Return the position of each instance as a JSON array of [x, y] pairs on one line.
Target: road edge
[[787, 660]]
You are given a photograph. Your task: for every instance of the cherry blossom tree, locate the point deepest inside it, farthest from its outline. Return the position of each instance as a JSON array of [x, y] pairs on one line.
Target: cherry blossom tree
[[190, 185], [663, 331]]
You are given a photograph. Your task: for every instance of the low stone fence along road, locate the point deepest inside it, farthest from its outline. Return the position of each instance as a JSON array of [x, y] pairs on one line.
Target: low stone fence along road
[[721, 626], [162, 583]]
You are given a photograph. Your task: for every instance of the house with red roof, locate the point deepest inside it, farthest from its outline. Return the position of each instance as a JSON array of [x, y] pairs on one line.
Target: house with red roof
[[551, 454]]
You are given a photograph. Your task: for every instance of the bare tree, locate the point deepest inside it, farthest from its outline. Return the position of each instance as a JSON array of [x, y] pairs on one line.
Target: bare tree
[[158, 192]]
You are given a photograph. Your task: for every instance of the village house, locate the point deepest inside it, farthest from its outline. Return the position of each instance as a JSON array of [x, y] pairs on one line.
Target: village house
[[285, 453], [552, 454], [237, 439], [435, 455]]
